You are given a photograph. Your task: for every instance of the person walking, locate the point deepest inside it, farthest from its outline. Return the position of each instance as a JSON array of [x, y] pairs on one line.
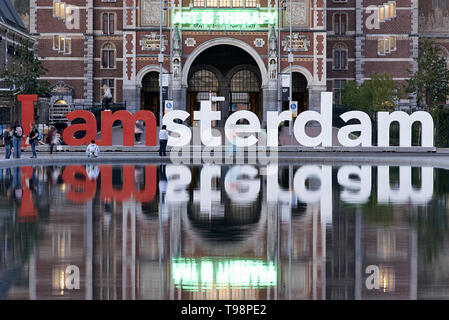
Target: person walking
[[51, 138], [7, 141], [17, 140], [107, 98], [33, 138], [163, 138]]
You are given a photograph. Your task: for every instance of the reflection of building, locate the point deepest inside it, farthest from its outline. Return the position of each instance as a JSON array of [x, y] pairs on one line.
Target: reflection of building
[[249, 247]]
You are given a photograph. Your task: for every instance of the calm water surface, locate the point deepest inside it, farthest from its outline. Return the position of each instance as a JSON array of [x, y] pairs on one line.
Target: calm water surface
[[224, 232]]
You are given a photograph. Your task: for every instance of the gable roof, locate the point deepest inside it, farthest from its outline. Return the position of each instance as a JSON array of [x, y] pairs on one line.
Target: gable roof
[[8, 15]]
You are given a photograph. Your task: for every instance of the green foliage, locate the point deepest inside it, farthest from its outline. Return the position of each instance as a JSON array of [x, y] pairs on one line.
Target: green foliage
[[24, 70], [377, 94], [430, 83], [441, 120]]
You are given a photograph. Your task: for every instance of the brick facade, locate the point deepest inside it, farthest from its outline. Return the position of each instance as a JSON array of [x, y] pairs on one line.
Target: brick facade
[[334, 42]]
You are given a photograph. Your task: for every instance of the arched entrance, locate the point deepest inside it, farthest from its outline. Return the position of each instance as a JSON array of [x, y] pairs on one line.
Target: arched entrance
[[299, 92], [149, 94], [228, 71]]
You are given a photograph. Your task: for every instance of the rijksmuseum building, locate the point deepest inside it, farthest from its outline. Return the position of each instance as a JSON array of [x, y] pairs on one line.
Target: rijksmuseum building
[[237, 49]]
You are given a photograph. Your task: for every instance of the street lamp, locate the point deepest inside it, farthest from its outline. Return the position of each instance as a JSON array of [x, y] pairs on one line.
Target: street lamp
[[161, 60], [290, 61]]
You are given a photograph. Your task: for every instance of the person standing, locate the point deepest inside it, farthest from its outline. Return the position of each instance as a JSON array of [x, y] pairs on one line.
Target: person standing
[[33, 138], [17, 140], [7, 141], [163, 138], [107, 98], [138, 130]]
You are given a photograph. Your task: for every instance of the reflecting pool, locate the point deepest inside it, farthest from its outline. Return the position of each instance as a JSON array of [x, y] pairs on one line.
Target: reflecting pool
[[224, 232]]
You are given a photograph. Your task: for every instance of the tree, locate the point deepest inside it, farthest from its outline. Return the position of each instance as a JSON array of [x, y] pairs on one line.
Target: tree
[[24, 70], [430, 83], [371, 96]]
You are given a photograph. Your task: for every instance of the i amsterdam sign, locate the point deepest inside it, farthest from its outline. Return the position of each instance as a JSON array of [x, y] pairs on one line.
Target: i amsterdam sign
[[206, 116], [224, 19]]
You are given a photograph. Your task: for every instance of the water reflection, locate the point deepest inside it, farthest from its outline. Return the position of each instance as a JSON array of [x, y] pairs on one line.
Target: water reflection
[[224, 232]]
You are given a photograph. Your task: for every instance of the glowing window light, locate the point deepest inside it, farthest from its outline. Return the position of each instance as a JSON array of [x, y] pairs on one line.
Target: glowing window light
[[387, 12], [392, 9], [381, 14], [62, 10], [387, 279], [222, 273], [56, 9]]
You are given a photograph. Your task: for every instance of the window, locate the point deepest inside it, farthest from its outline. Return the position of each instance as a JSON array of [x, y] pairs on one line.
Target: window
[[111, 84], [212, 3], [108, 56], [62, 44], [338, 88], [56, 42], [386, 45], [340, 57], [108, 23], [250, 3], [439, 4], [225, 3], [199, 3], [340, 23]]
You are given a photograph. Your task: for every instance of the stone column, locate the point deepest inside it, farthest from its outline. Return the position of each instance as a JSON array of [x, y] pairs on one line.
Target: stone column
[[270, 98], [180, 98], [224, 105], [315, 97]]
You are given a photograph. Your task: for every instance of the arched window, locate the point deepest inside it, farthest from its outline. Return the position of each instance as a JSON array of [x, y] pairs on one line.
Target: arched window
[[245, 81], [245, 86], [340, 55], [108, 56], [203, 81]]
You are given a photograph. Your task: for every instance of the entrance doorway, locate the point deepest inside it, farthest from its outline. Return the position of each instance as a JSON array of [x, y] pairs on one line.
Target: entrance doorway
[[149, 94], [299, 93], [228, 71], [201, 83]]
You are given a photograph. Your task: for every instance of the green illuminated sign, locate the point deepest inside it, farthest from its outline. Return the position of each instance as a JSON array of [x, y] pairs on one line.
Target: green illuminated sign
[[191, 274], [227, 19]]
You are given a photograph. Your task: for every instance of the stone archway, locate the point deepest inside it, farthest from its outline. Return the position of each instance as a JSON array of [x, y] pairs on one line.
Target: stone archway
[[224, 41], [233, 67]]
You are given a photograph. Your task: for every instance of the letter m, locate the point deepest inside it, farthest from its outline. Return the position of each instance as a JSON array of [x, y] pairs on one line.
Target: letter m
[[128, 121], [406, 122]]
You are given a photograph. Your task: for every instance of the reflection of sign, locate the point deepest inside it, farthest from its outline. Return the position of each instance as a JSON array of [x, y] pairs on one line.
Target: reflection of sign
[[294, 108], [224, 18], [168, 105]]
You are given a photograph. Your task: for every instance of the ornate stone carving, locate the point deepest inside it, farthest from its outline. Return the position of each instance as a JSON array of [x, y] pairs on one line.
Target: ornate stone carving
[[190, 42], [150, 13], [300, 16], [299, 43], [259, 43], [152, 42]]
